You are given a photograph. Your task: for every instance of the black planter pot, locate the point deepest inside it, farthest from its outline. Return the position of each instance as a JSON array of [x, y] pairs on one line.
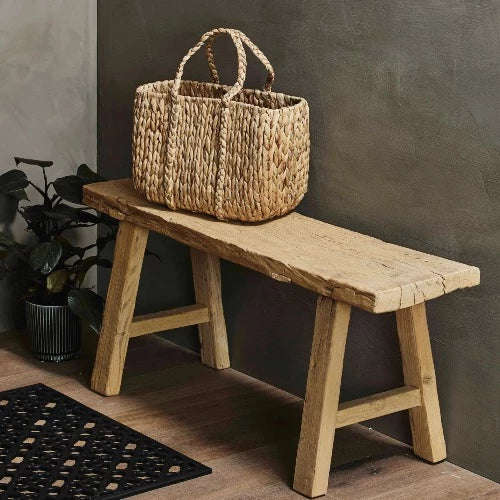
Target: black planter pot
[[54, 331]]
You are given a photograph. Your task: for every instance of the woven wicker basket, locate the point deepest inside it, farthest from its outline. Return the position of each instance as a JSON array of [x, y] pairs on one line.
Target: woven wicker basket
[[226, 151]]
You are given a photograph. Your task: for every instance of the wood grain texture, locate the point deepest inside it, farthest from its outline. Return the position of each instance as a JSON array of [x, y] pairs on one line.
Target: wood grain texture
[[314, 453], [244, 429], [207, 288], [377, 405], [119, 310], [418, 368], [167, 320], [332, 261]]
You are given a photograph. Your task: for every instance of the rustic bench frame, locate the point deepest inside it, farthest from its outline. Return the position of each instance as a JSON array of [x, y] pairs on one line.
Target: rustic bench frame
[[322, 413]]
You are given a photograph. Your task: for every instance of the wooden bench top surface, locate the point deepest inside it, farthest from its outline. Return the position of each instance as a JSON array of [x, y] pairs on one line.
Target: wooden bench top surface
[[330, 260]]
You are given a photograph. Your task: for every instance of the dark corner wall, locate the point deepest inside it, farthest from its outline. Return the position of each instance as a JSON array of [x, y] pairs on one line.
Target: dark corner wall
[[405, 139]]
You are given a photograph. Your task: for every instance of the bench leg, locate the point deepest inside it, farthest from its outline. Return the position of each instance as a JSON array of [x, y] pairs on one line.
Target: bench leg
[[418, 368], [119, 309], [314, 452], [207, 287]]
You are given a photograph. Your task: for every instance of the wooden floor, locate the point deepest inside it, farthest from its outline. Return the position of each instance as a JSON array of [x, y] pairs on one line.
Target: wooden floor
[[245, 430]]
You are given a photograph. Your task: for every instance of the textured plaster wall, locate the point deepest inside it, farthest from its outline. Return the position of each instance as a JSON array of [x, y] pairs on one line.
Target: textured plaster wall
[[405, 131], [47, 92]]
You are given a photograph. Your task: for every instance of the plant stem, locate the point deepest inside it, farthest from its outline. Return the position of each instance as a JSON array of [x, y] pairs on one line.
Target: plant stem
[[46, 183], [37, 188]]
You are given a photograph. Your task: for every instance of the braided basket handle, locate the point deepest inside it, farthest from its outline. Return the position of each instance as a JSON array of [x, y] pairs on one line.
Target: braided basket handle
[[256, 51], [242, 62]]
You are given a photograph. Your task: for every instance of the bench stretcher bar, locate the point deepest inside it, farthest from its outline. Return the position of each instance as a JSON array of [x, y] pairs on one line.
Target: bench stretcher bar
[[377, 405], [167, 320]]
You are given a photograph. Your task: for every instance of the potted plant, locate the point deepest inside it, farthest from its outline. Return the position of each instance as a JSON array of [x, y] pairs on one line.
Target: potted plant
[[48, 271]]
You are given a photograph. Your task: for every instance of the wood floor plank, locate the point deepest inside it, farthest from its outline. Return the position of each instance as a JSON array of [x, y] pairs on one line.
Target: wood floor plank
[[249, 437]]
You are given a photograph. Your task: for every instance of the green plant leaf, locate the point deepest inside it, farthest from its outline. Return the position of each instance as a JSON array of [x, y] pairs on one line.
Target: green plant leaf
[[45, 256], [104, 263], [17, 253], [82, 269], [68, 249], [88, 175], [84, 266], [69, 188], [19, 194], [88, 306], [8, 208], [29, 161], [4, 271], [7, 241], [33, 213], [12, 181], [57, 280], [87, 217], [63, 212]]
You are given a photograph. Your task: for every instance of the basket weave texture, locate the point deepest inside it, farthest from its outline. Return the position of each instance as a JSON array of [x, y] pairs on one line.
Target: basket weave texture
[[235, 153]]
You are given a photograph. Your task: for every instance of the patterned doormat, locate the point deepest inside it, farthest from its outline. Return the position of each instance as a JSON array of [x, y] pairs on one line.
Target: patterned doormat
[[51, 446]]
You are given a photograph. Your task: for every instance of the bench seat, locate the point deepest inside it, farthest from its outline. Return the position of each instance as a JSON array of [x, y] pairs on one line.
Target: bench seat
[[332, 261]]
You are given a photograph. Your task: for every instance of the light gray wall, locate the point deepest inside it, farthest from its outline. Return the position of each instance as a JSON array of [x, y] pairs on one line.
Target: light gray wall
[[405, 131], [47, 92]]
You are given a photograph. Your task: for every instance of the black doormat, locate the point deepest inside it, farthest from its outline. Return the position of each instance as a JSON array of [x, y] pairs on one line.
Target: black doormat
[[51, 446]]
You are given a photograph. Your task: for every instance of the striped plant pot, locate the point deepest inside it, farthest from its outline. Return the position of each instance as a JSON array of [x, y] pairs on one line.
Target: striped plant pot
[[54, 332]]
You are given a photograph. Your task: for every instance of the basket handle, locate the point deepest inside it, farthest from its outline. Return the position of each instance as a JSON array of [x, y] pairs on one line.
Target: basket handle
[[242, 62], [256, 51]]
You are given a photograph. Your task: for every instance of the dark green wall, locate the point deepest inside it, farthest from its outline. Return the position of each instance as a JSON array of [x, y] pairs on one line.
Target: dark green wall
[[405, 121]]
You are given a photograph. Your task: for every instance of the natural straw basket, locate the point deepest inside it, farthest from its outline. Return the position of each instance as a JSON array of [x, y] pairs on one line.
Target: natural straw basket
[[226, 151]]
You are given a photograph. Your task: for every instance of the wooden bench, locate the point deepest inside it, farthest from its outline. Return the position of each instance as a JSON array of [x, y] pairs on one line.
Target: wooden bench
[[343, 267]]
